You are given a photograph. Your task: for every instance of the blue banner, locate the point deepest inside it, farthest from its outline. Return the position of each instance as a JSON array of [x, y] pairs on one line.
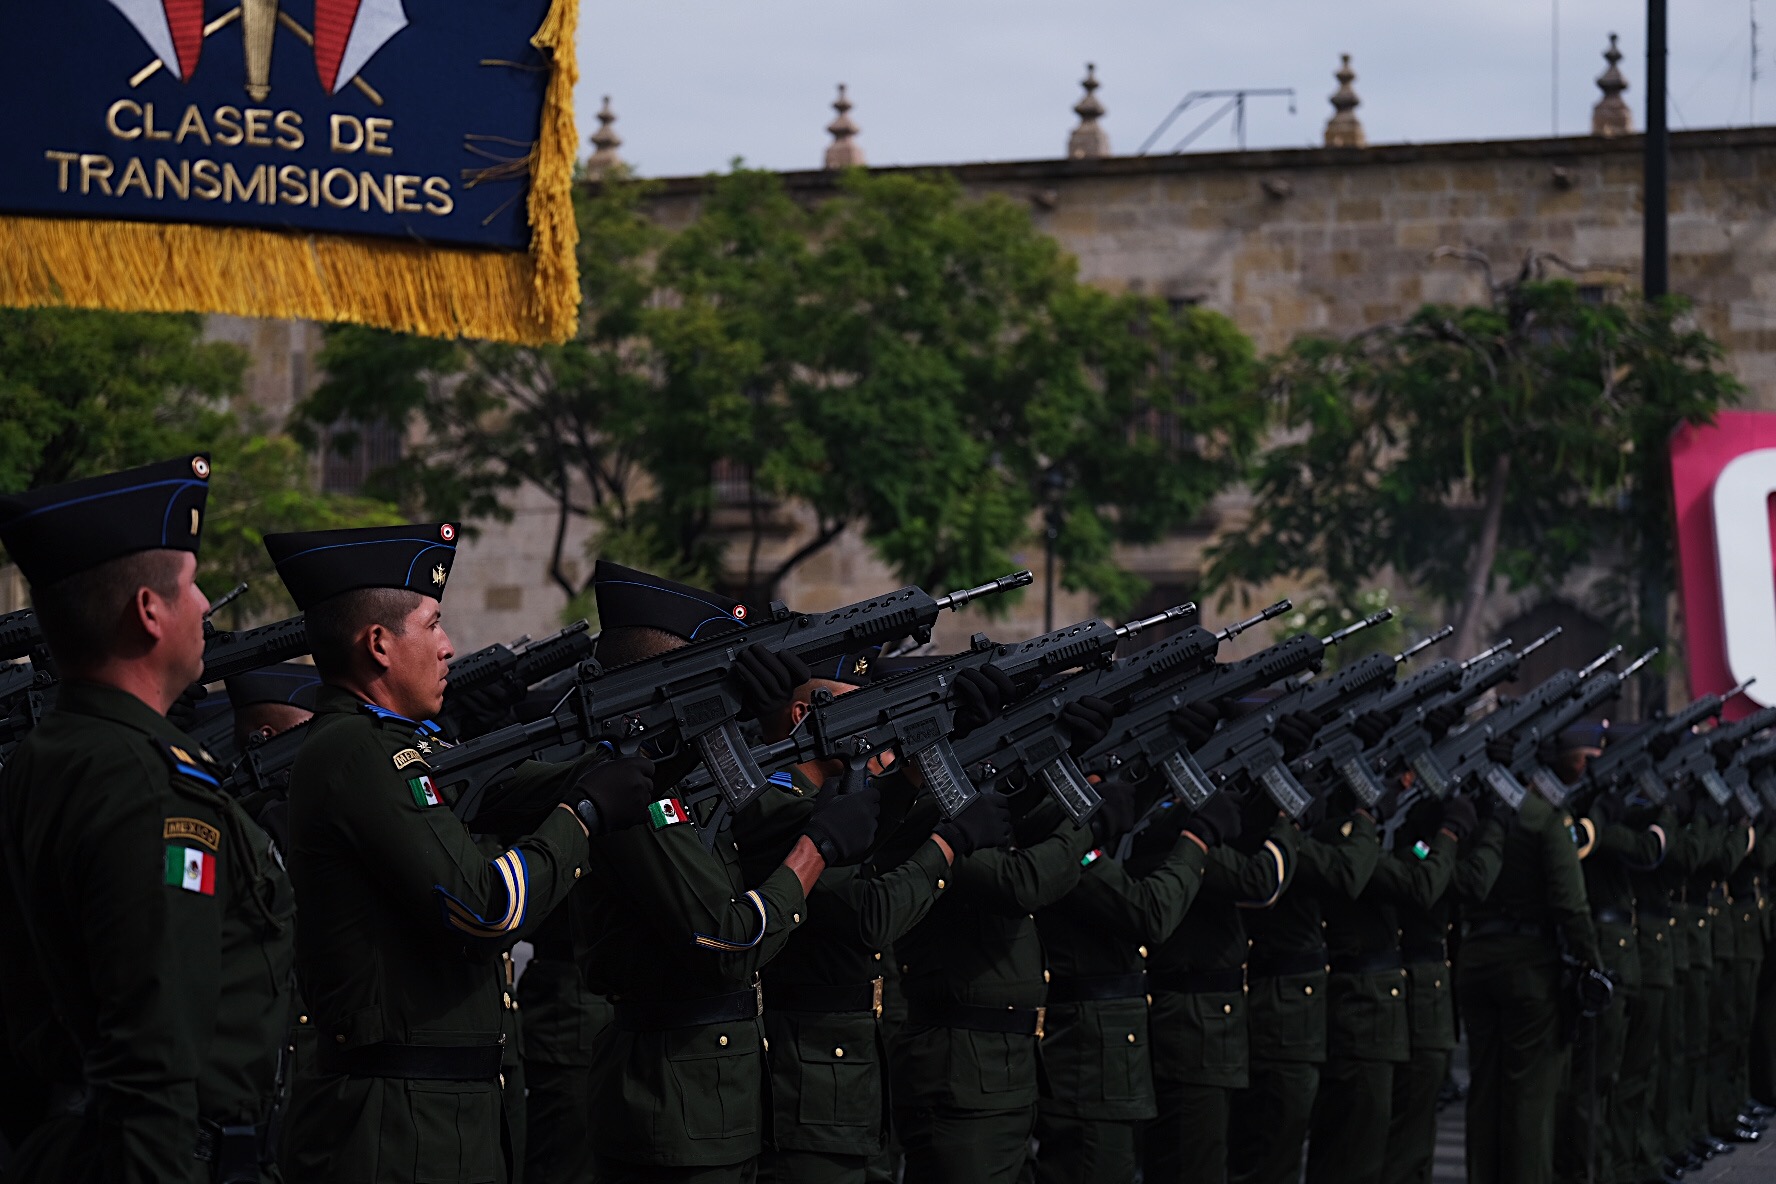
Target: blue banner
[[408, 119]]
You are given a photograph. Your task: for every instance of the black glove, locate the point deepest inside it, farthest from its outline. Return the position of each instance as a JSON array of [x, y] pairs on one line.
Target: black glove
[[1217, 821], [1086, 722], [1660, 746], [613, 795], [1370, 727], [766, 680], [1500, 750], [183, 712], [1196, 722], [1604, 810], [1113, 819], [843, 825], [1548, 752], [983, 824], [981, 694], [1723, 752], [1710, 811], [1296, 731], [1438, 720], [1595, 988], [1459, 817]]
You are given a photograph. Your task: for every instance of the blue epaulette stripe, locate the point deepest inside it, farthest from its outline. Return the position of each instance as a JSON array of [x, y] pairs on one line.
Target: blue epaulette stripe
[[783, 780], [182, 483], [382, 712], [199, 774], [429, 543]]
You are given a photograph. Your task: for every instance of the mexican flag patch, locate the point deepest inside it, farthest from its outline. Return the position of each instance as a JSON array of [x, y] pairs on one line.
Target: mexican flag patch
[[192, 869], [1092, 857], [424, 792], [667, 812]]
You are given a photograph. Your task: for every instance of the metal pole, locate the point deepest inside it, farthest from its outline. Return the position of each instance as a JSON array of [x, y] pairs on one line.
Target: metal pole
[[1655, 284], [1048, 574]]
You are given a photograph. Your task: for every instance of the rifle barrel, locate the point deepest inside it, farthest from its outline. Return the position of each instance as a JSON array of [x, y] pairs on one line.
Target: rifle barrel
[[1541, 641], [231, 595], [1368, 622], [1239, 627], [1480, 657], [1603, 659], [1170, 614], [1639, 662], [1424, 643], [1017, 579]]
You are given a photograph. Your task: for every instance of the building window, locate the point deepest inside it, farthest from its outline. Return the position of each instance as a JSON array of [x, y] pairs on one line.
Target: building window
[[351, 452]]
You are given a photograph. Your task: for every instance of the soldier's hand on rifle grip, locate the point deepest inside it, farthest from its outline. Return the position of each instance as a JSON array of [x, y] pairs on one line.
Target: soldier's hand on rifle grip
[[1217, 822], [1460, 817], [1370, 727], [1086, 722], [981, 694], [1116, 815], [1500, 751], [984, 824], [613, 795], [1438, 720], [1196, 722], [1295, 732], [766, 680], [843, 825]]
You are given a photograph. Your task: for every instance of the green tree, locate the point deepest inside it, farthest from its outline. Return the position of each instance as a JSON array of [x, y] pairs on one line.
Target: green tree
[[1472, 445], [91, 392], [901, 360]]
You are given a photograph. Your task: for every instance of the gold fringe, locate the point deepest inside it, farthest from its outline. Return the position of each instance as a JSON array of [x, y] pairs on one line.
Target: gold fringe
[[410, 287]]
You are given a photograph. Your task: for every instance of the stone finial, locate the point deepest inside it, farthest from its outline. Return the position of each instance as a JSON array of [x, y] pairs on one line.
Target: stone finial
[[1088, 140], [1611, 116], [605, 142], [1343, 130], [844, 151]]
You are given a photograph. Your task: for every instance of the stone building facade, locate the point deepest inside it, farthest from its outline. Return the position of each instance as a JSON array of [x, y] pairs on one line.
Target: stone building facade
[[1326, 240]]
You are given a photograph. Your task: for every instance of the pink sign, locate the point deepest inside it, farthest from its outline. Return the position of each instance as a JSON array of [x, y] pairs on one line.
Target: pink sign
[[1722, 478]]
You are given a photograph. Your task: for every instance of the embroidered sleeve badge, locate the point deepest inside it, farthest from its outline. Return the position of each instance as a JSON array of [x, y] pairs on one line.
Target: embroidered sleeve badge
[[667, 812], [408, 756], [425, 792], [191, 869], [192, 829]]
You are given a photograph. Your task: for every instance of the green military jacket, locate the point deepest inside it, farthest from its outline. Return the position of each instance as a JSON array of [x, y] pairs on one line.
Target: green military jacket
[[1610, 855], [1199, 1031], [1286, 970], [829, 1068], [1540, 891], [154, 916], [1096, 1052], [1664, 943], [404, 916], [674, 926], [1424, 931], [979, 946]]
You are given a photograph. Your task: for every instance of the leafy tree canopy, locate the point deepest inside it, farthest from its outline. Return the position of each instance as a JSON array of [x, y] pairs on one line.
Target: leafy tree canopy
[[901, 359]]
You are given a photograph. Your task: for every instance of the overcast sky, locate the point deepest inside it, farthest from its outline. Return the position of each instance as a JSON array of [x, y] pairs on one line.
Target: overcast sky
[[696, 83]]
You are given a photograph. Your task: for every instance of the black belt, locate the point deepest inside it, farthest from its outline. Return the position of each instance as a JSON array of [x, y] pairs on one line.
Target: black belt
[[662, 1015], [846, 997], [1097, 988], [1608, 916], [236, 1153], [1505, 927], [1417, 952], [1368, 963], [971, 1017], [1283, 965], [414, 1062], [1198, 982]]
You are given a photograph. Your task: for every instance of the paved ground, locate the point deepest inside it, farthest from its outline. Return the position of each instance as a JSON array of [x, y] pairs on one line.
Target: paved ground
[[1749, 1164]]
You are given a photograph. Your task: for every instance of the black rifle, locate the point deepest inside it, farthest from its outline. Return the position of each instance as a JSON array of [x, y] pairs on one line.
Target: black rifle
[[1247, 748], [20, 635], [228, 652], [913, 713], [1596, 688], [512, 670], [1627, 765], [1700, 757], [1337, 753], [684, 695]]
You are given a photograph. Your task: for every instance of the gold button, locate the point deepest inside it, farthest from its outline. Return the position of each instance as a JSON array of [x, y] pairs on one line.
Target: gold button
[[905, 969], [796, 917], [1131, 1037], [502, 1081], [1671, 921], [1307, 990], [722, 1040], [1437, 983], [1045, 976], [878, 955], [1394, 991], [1149, 1001], [302, 1019], [838, 1052], [767, 1041], [576, 873], [339, 1039], [1227, 1009], [940, 885], [1143, 951], [506, 999], [1622, 942]]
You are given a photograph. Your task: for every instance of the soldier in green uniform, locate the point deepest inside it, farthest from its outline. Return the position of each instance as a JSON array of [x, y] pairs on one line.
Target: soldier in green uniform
[[405, 916], [823, 994], [1369, 1023], [677, 934], [137, 899], [1610, 851], [1745, 890], [271, 700], [1430, 987], [1509, 991], [1286, 976], [562, 1020], [1198, 1015], [1726, 1030], [1096, 1047]]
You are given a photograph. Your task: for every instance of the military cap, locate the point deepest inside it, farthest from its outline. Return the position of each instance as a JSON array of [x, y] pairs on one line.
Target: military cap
[[63, 530], [318, 565], [1581, 736], [628, 598], [856, 669], [287, 682]]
